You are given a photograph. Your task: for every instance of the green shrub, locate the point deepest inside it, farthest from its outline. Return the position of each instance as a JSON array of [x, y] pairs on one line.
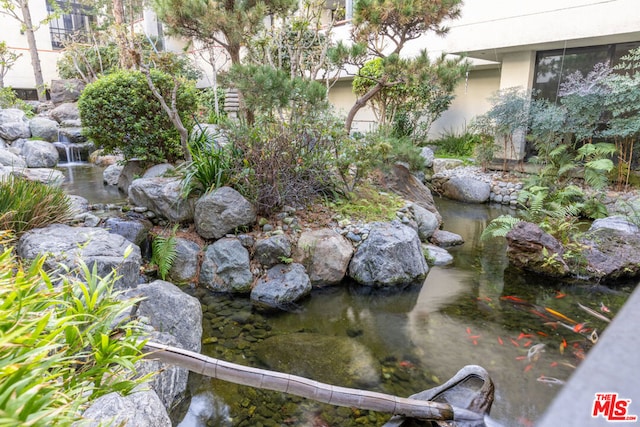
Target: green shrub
[[119, 113], [29, 204], [452, 144], [9, 99], [63, 346]]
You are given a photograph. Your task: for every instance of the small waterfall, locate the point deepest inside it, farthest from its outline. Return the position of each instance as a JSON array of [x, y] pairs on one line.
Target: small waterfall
[[70, 153]]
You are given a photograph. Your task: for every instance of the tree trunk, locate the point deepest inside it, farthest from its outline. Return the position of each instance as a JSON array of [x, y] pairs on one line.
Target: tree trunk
[[33, 51], [126, 61], [361, 102]]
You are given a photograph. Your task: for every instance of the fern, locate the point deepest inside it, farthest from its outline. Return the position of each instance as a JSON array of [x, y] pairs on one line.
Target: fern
[[163, 252], [499, 227]]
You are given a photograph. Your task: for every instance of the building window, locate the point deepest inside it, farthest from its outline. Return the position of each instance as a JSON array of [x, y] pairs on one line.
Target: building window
[[74, 25], [553, 66]]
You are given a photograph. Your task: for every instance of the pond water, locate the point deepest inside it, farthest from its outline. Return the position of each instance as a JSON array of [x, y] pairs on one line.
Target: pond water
[[475, 311], [85, 180]]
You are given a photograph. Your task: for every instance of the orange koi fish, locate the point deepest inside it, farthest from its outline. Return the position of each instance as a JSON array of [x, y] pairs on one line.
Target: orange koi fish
[[560, 315], [515, 299]]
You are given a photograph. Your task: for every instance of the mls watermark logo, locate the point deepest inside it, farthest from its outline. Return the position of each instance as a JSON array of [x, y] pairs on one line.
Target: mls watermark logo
[[611, 408]]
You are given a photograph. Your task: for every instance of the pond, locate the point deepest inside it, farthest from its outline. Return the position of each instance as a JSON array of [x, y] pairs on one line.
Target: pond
[[475, 311], [85, 179]]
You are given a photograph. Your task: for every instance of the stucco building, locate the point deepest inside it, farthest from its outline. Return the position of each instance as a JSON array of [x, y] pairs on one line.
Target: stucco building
[[528, 44]]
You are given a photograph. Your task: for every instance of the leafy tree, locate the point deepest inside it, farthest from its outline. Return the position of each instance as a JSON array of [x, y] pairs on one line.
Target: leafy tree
[[7, 59], [120, 112], [88, 62], [382, 28]]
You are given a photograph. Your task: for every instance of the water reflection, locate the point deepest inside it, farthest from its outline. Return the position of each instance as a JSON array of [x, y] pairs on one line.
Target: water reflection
[[424, 335], [85, 180]]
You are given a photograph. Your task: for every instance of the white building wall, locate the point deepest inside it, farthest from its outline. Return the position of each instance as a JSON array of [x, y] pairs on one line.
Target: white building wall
[[20, 76]]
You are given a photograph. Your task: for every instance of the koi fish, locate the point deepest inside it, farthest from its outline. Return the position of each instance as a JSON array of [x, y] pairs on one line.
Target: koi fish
[[500, 341], [594, 336], [560, 315], [563, 345], [560, 295], [542, 334], [534, 352], [604, 308], [553, 364], [515, 299], [550, 380], [527, 368], [406, 364], [579, 327]]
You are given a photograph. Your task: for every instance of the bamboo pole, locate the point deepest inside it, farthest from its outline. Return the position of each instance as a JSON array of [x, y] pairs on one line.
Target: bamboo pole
[[307, 388]]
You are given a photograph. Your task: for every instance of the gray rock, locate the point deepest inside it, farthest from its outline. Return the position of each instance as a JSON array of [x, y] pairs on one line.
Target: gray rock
[[226, 267], [7, 158], [222, 211], [40, 154], [611, 254], [529, 248], [446, 239], [75, 136], [438, 256], [66, 90], [169, 381], [79, 204], [158, 170], [333, 360], [162, 196], [135, 230], [443, 164], [272, 250], [172, 311], [100, 159], [325, 255], [44, 128], [69, 245], [132, 170], [185, 266], [44, 175], [427, 154], [426, 221], [87, 219], [13, 124], [390, 256], [466, 189], [617, 222], [66, 111], [281, 287], [404, 183], [111, 174], [139, 409]]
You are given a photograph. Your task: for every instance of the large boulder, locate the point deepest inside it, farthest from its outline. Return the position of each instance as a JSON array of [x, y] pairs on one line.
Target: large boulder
[[94, 246], [67, 90], [401, 181], [65, 112], [466, 189], [163, 197], [226, 268], [44, 175], [184, 268], [426, 221], [133, 227], [446, 239], [222, 211], [74, 135], [440, 165], [325, 255], [530, 248], [170, 310], [390, 256], [341, 361], [281, 287], [139, 409], [111, 174], [40, 154], [168, 381], [14, 124], [612, 250], [428, 155], [132, 170], [7, 158], [44, 128], [272, 250]]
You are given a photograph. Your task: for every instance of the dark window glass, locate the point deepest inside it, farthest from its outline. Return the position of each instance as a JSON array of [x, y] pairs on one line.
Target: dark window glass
[[553, 66], [73, 25]]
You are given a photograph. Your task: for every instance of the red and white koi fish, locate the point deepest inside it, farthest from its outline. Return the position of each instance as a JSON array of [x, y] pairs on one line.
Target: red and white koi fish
[[534, 352]]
